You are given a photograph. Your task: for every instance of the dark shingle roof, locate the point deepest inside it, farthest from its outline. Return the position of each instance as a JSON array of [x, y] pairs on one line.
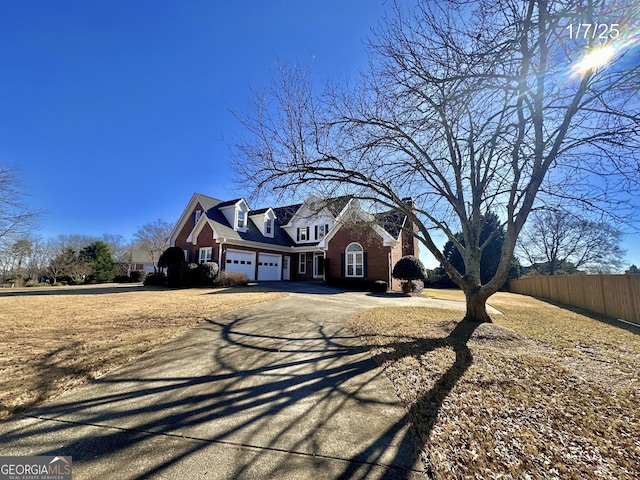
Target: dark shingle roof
[[228, 203], [284, 214], [253, 233], [336, 205], [392, 222]]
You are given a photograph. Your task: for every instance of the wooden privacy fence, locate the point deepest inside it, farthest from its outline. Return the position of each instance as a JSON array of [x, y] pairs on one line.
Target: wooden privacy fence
[[614, 295]]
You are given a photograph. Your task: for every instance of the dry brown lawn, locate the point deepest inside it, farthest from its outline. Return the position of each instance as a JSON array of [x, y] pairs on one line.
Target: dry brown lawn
[[54, 339], [543, 392]]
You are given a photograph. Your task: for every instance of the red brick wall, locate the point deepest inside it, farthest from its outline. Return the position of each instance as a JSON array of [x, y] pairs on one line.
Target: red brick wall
[[377, 253], [205, 239], [295, 267]]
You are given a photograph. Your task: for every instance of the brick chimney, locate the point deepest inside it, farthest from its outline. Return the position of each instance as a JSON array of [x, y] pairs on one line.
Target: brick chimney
[[409, 242]]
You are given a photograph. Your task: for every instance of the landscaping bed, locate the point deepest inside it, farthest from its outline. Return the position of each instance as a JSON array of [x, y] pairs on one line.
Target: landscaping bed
[[57, 338], [543, 392]]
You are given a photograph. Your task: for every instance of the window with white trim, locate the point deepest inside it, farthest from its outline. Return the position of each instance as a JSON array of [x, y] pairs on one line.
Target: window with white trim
[[242, 219], [197, 216], [321, 231], [206, 254], [354, 260], [268, 227], [302, 263]]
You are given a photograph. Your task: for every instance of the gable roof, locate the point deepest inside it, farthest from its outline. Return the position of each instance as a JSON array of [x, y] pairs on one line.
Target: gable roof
[[207, 202]]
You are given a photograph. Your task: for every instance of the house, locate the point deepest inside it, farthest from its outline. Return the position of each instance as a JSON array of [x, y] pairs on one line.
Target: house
[[140, 260], [312, 240]]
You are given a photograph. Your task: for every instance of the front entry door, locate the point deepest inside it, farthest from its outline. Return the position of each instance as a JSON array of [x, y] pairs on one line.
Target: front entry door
[[318, 265]]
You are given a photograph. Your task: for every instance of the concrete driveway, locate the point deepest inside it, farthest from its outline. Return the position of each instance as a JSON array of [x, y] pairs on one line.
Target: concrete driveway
[[274, 390]]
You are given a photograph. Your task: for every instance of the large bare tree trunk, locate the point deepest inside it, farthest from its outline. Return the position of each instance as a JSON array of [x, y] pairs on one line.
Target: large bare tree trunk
[[476, 306]]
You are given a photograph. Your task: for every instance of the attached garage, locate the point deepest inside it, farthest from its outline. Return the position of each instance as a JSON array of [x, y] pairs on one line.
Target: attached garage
[[242, 262], [269, 267]]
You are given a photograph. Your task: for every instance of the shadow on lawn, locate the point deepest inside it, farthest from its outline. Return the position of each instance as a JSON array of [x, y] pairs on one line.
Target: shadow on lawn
[[265, 402], [75, 290], [424, 412]]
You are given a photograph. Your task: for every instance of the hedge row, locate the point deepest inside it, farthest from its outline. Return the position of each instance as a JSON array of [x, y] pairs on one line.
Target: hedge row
[[184, 275]]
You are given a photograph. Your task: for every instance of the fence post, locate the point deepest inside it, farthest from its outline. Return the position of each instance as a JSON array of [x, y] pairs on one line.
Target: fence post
[[634, 300], [605, 307]]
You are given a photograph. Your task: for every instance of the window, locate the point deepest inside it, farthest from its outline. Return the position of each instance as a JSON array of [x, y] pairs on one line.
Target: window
[[302, 265], [241, 219], [268, 227], [197, 216], [354, 256], [303, 234], [186, 255], [206, 254], [321, 231]]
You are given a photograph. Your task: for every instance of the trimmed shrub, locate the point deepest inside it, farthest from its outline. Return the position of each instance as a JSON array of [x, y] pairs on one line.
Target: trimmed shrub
[[170, 256], [173, 274], [409, 268], [231, 279], [122, 279], [139, 275], [207, 273], [412, 270], [155, 280], [189, 275], [380, 286]]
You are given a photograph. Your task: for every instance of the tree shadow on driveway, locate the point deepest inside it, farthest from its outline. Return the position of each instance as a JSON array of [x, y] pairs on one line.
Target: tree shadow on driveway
[[238, 397]]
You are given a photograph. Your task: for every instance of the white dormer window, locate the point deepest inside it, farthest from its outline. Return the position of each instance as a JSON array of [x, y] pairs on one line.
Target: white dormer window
[[268, 227], [242, 217]]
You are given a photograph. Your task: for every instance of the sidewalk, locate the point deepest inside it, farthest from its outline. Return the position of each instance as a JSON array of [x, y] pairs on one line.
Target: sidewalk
[[274, 390]]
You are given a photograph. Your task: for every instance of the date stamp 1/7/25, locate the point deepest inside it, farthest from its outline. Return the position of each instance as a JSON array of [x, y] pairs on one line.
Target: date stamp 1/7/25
[[601, 31]]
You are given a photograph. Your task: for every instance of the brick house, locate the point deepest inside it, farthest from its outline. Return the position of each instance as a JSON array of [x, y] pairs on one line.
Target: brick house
[[308, 241]]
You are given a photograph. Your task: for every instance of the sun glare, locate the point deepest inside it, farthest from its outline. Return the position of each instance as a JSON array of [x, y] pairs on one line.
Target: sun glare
[[595, 59]]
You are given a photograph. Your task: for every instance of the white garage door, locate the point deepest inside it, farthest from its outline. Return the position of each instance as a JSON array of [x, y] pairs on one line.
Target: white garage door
[[243, 262], [269, 266]]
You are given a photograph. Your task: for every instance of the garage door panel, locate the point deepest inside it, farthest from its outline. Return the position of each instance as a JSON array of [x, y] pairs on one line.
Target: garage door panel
[[241, 262], [269, 267]]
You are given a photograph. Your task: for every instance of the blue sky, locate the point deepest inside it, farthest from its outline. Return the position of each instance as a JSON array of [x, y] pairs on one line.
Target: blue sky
[[117, 111]]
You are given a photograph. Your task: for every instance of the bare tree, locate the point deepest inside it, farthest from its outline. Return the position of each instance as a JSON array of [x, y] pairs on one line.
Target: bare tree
[[553, 238], [153, 238], [469, 107], [16, 218]]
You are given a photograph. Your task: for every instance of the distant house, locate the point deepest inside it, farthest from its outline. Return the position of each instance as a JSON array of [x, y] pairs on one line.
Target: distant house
[[308, 241], [140, 260]]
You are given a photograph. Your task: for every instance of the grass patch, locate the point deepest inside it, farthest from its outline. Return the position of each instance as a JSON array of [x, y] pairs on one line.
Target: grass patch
[[543, 392], [56, 339]]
